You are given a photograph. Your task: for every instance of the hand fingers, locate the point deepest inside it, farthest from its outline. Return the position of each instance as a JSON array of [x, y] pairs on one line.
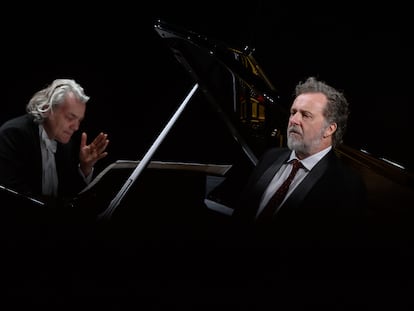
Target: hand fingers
[[99, 140], [100, 143], [102, 146], [102, 155], [83, 140]]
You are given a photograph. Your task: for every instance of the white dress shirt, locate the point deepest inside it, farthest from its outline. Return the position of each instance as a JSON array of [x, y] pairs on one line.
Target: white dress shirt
[[283, 173]]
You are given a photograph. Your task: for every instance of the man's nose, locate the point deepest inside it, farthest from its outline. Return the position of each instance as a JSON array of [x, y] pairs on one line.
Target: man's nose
[[294, 118], [75, 125]]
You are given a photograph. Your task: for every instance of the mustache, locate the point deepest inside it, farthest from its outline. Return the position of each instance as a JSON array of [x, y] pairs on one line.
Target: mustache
[[295, 129]]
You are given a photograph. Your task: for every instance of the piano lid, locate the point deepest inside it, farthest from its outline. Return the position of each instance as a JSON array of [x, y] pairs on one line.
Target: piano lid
[[234, 84], [188, 45], [256, 109]]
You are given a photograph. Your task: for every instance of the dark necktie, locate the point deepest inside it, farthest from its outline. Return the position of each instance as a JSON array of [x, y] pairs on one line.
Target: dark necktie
[[270, 208]]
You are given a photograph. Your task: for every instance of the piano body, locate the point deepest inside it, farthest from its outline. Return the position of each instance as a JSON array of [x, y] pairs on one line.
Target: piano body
[[151, 199]]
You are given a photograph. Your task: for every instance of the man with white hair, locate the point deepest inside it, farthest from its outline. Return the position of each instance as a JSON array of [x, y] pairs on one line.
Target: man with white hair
[[37, 154]]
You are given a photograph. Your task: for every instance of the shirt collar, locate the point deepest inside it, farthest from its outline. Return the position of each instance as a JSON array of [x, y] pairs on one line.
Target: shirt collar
[[310, 161]]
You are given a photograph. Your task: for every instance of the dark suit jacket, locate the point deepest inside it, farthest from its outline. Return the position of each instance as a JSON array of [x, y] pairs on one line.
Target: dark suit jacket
[[21, 160], [329, 203]]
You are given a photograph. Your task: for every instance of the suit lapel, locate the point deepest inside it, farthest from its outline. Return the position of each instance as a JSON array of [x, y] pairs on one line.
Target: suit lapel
[[299, 194], [268, 175], [33, 129]]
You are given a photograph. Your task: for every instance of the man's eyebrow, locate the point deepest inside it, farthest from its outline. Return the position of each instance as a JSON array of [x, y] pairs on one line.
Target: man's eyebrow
[[76, 116]]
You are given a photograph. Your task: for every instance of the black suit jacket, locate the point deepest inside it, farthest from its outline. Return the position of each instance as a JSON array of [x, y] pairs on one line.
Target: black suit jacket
[[21, 160], [329, 203]]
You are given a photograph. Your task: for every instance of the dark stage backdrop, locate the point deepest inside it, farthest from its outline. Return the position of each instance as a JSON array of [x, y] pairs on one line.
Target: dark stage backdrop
[[135, 84]]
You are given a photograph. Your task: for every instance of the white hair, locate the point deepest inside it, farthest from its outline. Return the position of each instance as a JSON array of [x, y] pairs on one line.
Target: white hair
[[54, 95]]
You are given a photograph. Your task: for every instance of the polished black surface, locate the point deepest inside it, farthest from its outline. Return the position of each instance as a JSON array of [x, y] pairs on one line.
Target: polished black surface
[[129, 72], [135, 84]]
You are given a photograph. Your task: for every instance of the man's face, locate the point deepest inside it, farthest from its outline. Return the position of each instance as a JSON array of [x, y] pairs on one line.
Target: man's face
[[65, 119], [307, 126]]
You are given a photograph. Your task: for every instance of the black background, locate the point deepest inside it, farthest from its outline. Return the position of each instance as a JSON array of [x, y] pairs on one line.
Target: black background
[[135, 84]]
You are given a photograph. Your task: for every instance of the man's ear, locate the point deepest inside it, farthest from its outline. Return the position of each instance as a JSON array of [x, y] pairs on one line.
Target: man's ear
[[330, 129]]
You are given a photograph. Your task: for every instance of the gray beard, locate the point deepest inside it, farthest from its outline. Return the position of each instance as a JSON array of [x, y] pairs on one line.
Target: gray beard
[[300, 147], [297, 146]]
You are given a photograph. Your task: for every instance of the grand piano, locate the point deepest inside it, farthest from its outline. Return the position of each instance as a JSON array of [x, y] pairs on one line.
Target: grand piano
[[154, 232], [248, 115]]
